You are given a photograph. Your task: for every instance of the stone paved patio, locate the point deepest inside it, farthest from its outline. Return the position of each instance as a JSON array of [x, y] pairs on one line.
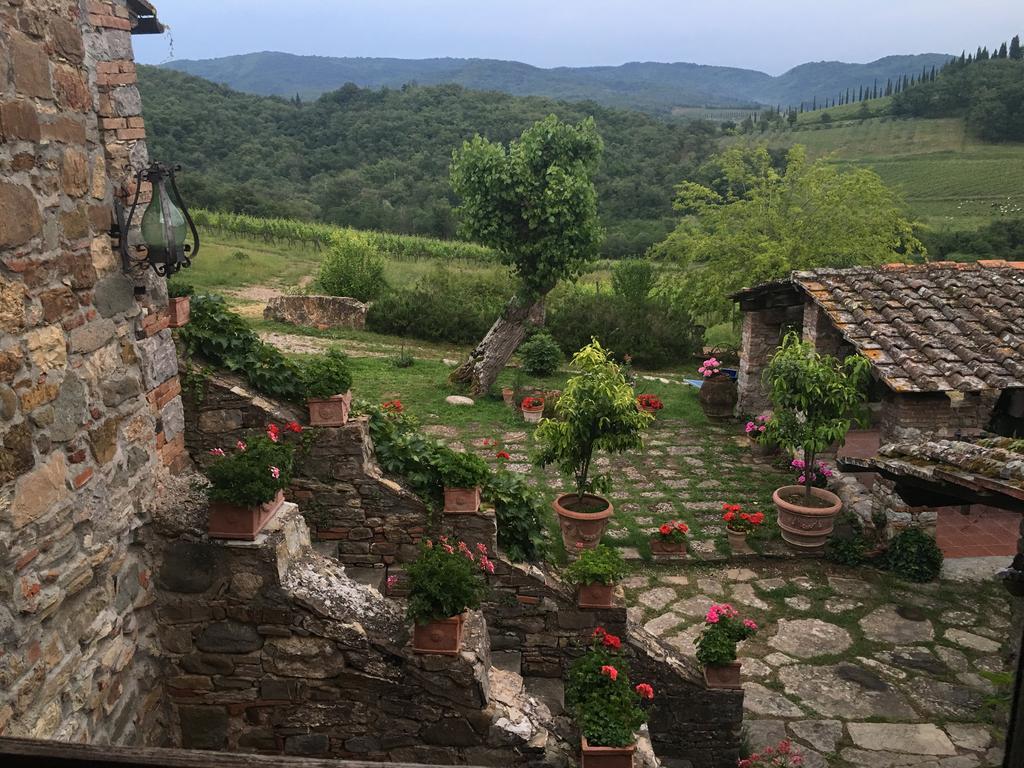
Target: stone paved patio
[[858, 668]]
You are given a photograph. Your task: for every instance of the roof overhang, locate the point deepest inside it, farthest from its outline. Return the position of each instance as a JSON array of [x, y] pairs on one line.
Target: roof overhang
[[144, 19]]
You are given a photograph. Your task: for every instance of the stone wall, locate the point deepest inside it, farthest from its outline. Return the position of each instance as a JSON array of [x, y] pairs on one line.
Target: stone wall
[[363, 518], [89, 410], [317, 311], [919, 414], [761, 334]]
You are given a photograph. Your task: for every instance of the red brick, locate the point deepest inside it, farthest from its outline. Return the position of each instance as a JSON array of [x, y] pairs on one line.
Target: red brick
[[136, 122], [26, 558], [131, 134], [113, 123], [83, 478]]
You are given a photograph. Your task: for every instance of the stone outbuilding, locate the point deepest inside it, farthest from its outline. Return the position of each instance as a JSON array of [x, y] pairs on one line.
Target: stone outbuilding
[[945, 340]]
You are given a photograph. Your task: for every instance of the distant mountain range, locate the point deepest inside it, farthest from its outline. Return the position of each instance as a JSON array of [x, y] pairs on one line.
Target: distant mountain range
[[647, 86]]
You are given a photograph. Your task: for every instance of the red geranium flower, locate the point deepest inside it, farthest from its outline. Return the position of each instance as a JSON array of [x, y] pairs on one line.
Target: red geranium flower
[[665, 529], [273, 432], [503, 455], [293, 426], [612, 641], [645, 691], [610, 672]]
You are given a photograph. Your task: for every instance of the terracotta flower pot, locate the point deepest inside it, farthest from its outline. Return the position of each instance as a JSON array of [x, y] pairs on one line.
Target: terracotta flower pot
[[332, 412], [508, 395], [579, 524], [533, 415], [232, 521], [178, 311], [738, 542], [806, 528], [718, 396], [461, 501], [649, 409], [595, 595], [442, 637], [667, 548], [605, 757], [723, 677]]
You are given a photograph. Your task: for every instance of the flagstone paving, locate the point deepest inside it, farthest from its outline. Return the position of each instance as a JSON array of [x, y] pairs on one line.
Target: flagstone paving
[[903, 676]]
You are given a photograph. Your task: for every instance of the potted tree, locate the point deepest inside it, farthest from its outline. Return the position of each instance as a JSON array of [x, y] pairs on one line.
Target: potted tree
[[739, 525], [179, 301], [533, 409], [463, 474], [716, 646], [247, 485], [595, 573], [718, 393], [327, 383], [816, 398], [444, 582], [596, 412], [606, 705], [670, 540]]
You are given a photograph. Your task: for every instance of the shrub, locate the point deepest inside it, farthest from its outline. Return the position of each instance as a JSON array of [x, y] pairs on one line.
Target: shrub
[[519, 512], [634, 279], [607, 707], [177, 289], [253, 472], [849, 550], [459, 469], [327, 375], [914, 556], [723, 631], [602, 565], [353, 268], [541, 354], [445, 581]]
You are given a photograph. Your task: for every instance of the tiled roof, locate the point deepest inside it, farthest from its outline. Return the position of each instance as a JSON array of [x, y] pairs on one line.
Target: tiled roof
[[994, 464], [930, 327]]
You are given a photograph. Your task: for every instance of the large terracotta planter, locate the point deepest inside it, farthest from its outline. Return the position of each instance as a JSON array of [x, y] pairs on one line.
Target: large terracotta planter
[[718, 396], [738, 542], [461, 501], [231, 521], [583, 529], [723, 677], [178, 310], [442, 637], [332, 412], [533, 415], [605, 757], [662, 548], [595, 595], [806, 528]]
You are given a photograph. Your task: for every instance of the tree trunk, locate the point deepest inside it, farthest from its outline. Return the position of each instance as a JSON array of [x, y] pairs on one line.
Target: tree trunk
[[490, 356]]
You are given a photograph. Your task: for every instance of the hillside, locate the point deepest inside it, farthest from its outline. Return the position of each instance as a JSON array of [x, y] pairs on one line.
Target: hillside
[[379, 159], [648, 86]]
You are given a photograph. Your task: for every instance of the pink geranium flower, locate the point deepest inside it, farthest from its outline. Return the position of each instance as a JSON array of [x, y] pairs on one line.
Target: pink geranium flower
[[217, 451], [275, 472]]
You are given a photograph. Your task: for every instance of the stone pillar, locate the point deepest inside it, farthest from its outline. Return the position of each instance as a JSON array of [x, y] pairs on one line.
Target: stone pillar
[[819, 329], [762, 329]]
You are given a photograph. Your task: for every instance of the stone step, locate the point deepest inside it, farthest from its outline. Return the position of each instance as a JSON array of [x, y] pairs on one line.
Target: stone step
[[368, 577]]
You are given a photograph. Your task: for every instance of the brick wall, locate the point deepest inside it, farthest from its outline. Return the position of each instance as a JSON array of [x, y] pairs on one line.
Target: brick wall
[[88, 421], [916, 414]]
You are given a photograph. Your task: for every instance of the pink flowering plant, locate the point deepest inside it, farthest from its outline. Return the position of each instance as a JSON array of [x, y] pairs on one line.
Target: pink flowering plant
[[254, 470], [782, 755], [757, 426], [607, 706], [724, 629], [447, 579], [817, 477], [710, 367]]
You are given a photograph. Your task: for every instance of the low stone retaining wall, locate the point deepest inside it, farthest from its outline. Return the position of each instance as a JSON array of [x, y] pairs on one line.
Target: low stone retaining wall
[[317, 311]]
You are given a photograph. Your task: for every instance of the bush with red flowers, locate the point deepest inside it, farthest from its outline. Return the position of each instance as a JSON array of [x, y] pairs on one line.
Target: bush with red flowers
[[673, 532], [738, 521], [392, 406], [649, 402], [607, 707], [254, 472], [782, 755], [532, 403]]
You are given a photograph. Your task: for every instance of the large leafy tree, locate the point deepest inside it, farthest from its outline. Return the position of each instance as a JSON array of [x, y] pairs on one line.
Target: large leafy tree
[[534, 202], [753, 222]]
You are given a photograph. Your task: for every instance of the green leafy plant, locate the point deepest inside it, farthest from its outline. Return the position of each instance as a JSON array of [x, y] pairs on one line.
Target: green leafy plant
[[602, 565], [914, 556], [460, 469], [327, 375], [607, 707], [520, 516], [445, 580], [595, 412], [850, 550], [253, 472], [723, 630], [816, 399], [177, 289], [352, 267], [634, 279], [541, 354]]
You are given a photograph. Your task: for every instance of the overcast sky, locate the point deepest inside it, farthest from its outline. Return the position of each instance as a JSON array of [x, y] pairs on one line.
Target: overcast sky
[[769, 35]]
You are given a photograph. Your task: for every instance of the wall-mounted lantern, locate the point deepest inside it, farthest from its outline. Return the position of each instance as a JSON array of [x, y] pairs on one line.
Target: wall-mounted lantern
[[164, 226]]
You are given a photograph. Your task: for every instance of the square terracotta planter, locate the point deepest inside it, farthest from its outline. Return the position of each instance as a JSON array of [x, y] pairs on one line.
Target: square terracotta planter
[[231, 521], [605, 757], [723, 677], [461, 501], [662, 548], [178, 310], [332, 412], [442, 637], [595, 595]]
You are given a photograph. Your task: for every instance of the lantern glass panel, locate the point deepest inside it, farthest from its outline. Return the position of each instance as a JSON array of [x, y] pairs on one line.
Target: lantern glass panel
[[153, 232]]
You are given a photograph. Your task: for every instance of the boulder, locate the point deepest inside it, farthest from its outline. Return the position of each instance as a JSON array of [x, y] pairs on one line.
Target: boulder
[[317, 311]]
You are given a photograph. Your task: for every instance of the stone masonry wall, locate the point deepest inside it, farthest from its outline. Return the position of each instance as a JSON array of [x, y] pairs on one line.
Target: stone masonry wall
[[918, 414], [317, 311], [762, 331], [89, 412]]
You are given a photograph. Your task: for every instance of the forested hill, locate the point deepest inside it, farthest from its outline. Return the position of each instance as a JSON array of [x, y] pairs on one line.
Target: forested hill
[[648, 86], [378, 159]]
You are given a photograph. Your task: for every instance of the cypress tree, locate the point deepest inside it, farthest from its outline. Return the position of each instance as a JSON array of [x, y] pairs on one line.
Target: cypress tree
[[1002, 52], [963, 56], [1014, 51]]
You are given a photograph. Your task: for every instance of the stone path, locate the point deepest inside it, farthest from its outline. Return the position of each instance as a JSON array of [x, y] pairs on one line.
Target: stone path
[[858, 669]]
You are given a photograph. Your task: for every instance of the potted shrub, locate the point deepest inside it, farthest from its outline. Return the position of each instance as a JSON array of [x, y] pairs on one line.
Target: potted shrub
[[595, 573], [739, 525], [327, 383], [596, 412], [179, 301], [649, 403], [670, 539], [444, 582], [718, 393], [716, 646], [532, 408], [815, 399], [606, 705], [247, 485], [755, 429], [463, 474]]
